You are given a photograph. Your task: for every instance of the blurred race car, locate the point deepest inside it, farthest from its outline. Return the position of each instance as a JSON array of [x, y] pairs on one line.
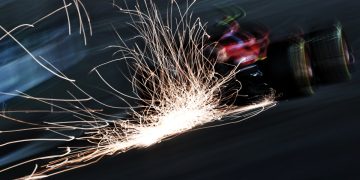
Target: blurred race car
[[292, 67]]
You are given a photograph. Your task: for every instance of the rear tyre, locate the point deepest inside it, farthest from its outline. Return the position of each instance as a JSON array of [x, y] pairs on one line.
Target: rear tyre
[[288, 68], [332, 58]]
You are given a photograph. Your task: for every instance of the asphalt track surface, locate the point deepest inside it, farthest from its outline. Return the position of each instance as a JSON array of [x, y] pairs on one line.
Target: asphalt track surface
[[313, 137]]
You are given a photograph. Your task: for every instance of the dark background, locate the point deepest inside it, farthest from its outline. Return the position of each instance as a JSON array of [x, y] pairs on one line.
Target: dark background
[[308, 138]]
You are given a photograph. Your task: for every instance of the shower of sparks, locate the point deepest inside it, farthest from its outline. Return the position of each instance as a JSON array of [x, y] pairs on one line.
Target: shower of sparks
[[174, 82]]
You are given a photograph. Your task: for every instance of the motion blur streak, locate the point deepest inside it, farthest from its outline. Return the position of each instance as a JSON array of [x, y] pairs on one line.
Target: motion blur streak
[[15, 58], [173, 80]]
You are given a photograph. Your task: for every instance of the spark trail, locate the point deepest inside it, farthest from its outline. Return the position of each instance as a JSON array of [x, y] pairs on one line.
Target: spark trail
[[174, 82]]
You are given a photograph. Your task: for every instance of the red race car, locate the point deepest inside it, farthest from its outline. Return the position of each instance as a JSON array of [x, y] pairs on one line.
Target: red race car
[[294, 65]]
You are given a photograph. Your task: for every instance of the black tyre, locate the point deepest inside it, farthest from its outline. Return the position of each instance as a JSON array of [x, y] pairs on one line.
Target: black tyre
[[288, 68], [331, 56]]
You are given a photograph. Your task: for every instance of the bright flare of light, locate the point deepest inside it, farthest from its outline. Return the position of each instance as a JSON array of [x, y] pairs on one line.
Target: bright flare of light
[[175, 120]]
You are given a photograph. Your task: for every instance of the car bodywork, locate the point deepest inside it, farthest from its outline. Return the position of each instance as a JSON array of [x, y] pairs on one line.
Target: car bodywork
[[241, 47]]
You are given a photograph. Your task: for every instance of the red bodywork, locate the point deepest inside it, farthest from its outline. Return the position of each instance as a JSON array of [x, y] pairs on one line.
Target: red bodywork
[[241, 47]]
